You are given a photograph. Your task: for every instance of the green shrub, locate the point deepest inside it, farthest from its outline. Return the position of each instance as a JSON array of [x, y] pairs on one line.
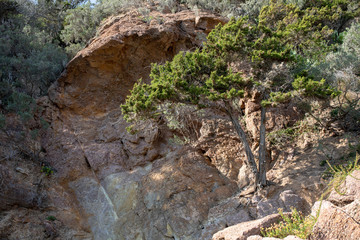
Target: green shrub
[[22, 104], [79, 26], [282, 137], [277, 97], [339, 171], [310, 87], [296, 224], [29, 60], [51, 218], [340, 68], [47, 170]]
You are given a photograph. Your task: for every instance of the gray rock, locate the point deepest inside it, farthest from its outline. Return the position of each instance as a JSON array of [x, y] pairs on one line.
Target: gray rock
[[286, 200]]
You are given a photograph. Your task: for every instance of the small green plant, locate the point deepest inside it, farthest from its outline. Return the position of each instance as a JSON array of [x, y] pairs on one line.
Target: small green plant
[[310, 87], [322, 163], [340, 172], [179, 141], [146, 19], [51, 218], [23, 104], [277, 97], [44, 124], [296, 224], [47, 170], [282, 136]]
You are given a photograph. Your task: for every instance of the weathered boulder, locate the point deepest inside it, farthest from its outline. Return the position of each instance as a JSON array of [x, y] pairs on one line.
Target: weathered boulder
[[99, 77], [169, 198], [285, 200], [15, 191], [339, 216], [228, 212], [246, 229], [221, 145]]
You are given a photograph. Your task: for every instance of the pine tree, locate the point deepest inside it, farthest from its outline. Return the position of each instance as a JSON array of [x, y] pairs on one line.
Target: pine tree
[[284, 34]]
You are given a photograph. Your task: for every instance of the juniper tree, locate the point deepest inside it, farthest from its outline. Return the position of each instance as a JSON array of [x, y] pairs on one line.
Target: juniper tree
[[283, 34]]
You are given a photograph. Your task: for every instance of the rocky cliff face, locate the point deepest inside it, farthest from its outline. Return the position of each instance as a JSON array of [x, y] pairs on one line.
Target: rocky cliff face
[[130, 186], [100, 76], [109, 184], [143, 186]]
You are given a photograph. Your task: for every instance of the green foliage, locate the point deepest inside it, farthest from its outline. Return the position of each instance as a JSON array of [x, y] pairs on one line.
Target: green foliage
[[22, 104], [307, 86], [47, 170], [277, 97], [242, 37], [44, 124], [7, 8], [282, 137], [340, 68], [284, 33], [30, 59], [51, 218], [339, 173], [192, 77], [296, 224], [252, 8], [79, 26]]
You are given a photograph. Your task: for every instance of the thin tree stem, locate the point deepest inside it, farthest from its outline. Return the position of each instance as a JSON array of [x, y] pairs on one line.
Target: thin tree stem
[[239, 130], [262, 150]]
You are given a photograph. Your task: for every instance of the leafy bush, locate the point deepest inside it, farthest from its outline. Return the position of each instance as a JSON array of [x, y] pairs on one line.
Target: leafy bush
[[51, 218], [282, 137], [341, 67], [79, 26], [341, 70], [296, 224], [29, 60], [309, 87], [47, 170], [22, 104]]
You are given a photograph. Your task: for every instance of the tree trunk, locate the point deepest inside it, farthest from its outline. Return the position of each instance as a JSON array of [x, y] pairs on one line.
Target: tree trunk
[[262, 150], [250, 156]]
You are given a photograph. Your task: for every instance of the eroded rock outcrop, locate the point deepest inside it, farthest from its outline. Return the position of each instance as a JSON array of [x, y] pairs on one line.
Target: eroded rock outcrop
[[130, 186], [143, 186], [339, 215], [100, 76], [246, 229]]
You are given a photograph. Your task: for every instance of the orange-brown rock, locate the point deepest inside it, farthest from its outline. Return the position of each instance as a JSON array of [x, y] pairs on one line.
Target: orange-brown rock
[[100, 76], [339, 216]]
